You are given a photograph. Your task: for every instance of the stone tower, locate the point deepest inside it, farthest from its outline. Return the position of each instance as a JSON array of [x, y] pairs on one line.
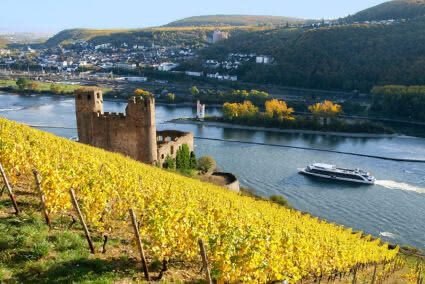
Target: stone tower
[[140, 114], [132, 134], [88, 101]]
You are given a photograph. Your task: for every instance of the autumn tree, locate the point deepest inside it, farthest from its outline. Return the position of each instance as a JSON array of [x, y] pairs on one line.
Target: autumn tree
[[195, 91], [143, 93], [325, 110], [55, 89], [276, 109], [246, 111], [171, 97], [230, 111]]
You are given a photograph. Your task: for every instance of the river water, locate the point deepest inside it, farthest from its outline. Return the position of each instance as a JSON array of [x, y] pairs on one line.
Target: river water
[[393, 208]]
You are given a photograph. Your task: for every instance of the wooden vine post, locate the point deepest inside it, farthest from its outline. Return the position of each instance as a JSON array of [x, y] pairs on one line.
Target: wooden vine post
[[42, 199], [355, 275], [139, 244], [374, 273], [9, 189], [80, 216], [205, 260]]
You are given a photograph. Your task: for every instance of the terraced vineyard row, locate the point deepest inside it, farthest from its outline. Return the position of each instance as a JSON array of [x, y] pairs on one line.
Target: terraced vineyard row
[[245, 239]]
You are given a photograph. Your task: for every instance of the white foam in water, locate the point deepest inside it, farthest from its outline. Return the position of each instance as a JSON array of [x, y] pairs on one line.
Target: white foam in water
[[399, 185], [387, 234], [9, 109]]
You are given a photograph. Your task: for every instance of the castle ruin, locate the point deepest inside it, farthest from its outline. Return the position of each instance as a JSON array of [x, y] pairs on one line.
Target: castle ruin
[[132, 133]]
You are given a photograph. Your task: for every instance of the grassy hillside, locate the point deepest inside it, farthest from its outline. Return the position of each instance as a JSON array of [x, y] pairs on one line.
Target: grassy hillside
[[245, 239], [3, 42], [395, 9], [234, 20]]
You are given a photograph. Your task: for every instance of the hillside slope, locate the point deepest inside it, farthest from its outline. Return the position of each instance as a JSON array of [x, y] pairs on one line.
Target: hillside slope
[[146, 36], [246, 239], [3, 42], [395, 9], [233, 20], [347, 57]]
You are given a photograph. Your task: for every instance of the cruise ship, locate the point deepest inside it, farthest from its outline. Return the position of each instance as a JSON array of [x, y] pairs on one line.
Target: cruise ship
[[334, 173]]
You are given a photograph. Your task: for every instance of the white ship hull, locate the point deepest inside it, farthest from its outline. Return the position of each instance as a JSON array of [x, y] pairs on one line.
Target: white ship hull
[[303, 171]]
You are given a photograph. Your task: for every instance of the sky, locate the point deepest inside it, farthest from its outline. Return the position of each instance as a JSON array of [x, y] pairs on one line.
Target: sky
[[57, 15]]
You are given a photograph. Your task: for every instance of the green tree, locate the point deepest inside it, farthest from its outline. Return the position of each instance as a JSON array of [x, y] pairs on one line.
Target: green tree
[[23, 83], [206, 164], [193, 161], [169, 163], [183, 158]]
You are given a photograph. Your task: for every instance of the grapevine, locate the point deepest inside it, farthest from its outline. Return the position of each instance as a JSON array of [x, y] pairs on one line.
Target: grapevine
[[245, 239]]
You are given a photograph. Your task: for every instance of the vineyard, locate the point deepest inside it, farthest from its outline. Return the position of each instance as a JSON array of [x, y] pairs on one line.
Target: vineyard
[[245, 239]]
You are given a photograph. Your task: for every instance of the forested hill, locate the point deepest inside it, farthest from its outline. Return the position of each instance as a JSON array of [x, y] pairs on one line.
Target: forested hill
[[67, 36], [233, 20], [346, 57], [395, 9], [164, 36]]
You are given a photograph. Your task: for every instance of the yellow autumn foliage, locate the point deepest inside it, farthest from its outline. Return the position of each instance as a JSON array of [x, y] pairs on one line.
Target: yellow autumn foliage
[[245, 239]]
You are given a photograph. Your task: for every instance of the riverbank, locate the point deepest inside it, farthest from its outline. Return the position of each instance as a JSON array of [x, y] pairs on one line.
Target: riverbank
[[278, 130]]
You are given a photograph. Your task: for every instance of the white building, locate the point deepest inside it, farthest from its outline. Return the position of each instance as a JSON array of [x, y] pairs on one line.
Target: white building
[[125, 66], [102, 46], [4, 51], [137, 79], [200, 110], [167, 66], [195, 74], [219, 35], [264, 59]]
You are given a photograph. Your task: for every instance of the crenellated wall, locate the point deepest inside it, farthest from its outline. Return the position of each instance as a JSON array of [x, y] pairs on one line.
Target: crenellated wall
[[132, 134]]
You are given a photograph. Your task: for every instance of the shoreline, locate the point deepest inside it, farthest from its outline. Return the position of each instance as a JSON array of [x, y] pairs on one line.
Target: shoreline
[[278, 130]]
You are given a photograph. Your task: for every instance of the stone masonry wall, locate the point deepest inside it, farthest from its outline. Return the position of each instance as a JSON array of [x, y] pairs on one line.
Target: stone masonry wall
[[132, 134]]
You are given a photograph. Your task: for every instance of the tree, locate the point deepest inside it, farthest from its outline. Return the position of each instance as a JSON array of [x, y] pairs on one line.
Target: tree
[[230, 111], [206, 164], [143, 93], [169, 163], [34, 86], [23, 83], [195, 91], [171, 97], [183, 158], [276, 109], [278, 199], [246, 111], [325, 110], [55, 89], [193, 161]]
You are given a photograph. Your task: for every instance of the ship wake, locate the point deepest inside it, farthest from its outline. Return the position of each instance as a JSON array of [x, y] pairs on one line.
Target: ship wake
[[399, 185]]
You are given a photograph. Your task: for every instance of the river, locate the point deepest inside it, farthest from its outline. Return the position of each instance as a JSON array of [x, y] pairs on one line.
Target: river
[[393, 208]]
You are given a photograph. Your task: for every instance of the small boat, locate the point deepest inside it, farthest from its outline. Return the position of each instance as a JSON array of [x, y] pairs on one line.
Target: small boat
[[334, 173]]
